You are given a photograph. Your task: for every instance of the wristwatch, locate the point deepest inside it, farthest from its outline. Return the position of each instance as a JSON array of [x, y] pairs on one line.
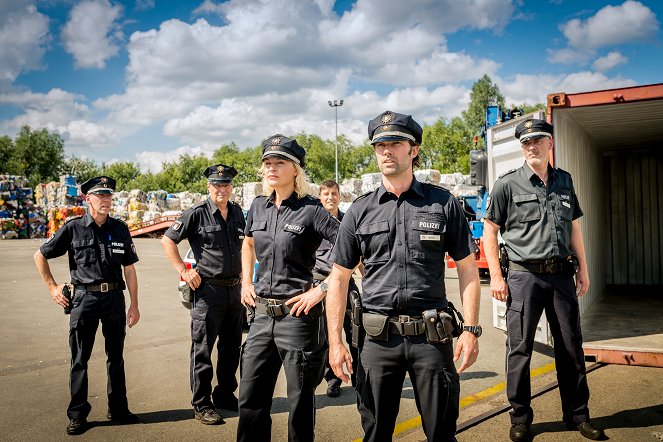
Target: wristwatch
[[474, 329], [324, 286]]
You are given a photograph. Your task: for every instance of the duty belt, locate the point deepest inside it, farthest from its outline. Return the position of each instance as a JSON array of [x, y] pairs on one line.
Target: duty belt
[[272, 307], [541, 266], [222, 281], [101, 287], [407, 325]]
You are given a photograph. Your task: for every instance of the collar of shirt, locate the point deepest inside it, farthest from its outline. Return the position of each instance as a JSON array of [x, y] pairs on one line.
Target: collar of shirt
[[529, 173], [89, 220], [292, 200], [414, 187], [211, 207]]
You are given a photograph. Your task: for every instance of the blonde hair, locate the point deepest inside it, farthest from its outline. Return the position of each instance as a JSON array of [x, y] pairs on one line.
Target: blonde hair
[[302, 186]]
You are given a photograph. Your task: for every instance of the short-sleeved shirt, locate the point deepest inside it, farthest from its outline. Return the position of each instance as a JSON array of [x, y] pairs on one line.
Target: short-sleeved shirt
[[285, 240], [323, 256], [216, 243], [535, 219], [403, 241], [96, 253]]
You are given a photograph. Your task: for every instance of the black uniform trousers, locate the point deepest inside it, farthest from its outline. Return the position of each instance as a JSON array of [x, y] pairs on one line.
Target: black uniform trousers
[[436, 384], [88, 308], [299, 344], [530, 295], [217, 312], [347, 328]]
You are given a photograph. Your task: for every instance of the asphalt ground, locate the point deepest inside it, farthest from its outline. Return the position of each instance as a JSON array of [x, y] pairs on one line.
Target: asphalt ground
[[34, 365]]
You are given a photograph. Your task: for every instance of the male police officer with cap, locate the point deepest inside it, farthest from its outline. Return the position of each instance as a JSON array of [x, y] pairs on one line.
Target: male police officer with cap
[[215, 230], [536, 211], [98, 247], [402, 230]]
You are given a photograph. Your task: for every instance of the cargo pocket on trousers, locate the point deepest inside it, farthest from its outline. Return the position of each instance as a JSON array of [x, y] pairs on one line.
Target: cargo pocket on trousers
[[198, 329], [365, 396], [514, 320]]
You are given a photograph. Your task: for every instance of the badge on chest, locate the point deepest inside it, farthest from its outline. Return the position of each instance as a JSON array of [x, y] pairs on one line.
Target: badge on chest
[[293, 228]]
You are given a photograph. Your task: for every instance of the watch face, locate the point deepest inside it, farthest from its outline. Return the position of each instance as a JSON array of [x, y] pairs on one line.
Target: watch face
[[323, 286]]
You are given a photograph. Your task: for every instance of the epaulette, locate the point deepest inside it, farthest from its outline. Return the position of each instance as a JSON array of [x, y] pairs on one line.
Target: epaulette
[[438, 186], [363, 196], [197, 206], [120, 220], [508, 172], [562, 171], [313, 198], [73, 218]]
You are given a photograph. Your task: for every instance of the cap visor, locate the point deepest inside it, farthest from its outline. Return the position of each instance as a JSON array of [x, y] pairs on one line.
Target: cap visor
[[101, 192], [534, 136], [276, 155], [380, 139], [219, 181]]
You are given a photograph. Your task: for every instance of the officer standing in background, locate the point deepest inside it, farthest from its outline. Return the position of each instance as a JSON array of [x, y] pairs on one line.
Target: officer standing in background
[[330, 197], [536, 211], [402, 230], [215, 230], [98, 247], [284, 229]]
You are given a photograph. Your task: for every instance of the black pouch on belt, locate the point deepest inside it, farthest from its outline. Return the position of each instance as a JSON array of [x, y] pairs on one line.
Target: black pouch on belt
[[438, 326], [376, 326]]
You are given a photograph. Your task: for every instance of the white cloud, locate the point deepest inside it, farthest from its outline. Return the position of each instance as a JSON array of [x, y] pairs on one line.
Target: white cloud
[[91, 32], [612, 25], [609, 61], [570, 55], [23, 38], [150, 161], [532, 89]]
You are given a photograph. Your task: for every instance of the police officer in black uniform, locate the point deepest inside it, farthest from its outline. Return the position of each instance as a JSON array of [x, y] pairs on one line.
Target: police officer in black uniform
[[283, 230], [330, 197], [215, 230], [98, 246], [402, 230], [536, 211]]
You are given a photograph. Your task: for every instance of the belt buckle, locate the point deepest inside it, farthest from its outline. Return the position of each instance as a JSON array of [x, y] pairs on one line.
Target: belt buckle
[[103, 287]]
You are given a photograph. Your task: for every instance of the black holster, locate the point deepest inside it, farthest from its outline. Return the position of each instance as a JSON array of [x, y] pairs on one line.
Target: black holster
[[457, 320], [66, 292], [355, 314], [438, 325], [250, 314], [187, 292], [504, 260]]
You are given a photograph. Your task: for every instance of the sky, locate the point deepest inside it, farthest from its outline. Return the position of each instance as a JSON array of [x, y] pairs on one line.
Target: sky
[[149, 80]]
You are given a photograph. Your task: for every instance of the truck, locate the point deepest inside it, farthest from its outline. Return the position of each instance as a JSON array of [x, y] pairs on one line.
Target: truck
[[611, 141]]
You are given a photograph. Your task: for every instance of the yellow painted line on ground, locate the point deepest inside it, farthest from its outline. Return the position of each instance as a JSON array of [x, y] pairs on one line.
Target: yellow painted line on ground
[[468, 400]]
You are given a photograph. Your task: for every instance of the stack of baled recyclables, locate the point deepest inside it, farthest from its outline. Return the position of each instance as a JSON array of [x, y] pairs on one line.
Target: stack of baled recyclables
[[611, 141]]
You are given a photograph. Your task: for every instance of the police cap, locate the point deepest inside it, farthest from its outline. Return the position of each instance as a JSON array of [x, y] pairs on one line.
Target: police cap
[[98, 184], [283, 147], [532, 129], [220, 174], [392, 126]]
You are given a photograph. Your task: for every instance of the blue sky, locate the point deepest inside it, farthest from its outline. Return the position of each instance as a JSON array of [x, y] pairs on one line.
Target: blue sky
[[148, 80]]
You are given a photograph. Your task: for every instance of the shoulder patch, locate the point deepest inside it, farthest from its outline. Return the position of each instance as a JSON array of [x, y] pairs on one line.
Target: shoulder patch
[[176, 225], [508, 172], [71, 218]]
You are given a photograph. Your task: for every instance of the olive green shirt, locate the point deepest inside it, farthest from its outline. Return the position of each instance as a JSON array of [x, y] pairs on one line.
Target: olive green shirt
[[534, 218]]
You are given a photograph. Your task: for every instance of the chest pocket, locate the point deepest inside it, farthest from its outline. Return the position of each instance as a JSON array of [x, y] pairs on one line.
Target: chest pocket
[[85, 251], [564, 204], [527, 207], [426, 236], [374, 239], [212, 236], [258, 226]]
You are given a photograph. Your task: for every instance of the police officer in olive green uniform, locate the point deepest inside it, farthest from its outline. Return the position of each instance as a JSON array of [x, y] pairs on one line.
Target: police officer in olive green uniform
[[99, 247], [536, 211]]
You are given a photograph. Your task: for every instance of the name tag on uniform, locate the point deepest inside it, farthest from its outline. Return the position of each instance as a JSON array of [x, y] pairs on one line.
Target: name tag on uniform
[[117, 244], [565, 204], [118, 251], [429, 237], [294, 228], [241, 236]]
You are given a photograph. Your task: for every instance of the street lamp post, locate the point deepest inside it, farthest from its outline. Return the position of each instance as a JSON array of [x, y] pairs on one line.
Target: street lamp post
[[336, 104]]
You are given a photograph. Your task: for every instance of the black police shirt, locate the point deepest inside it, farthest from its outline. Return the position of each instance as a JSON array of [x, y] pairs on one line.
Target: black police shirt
[[96, 254], [323, 256], [216, 243], [535, 219], [285, 241], [403, 241]]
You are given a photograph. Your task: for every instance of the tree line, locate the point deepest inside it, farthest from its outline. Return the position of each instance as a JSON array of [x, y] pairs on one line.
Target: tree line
[[39, 154]]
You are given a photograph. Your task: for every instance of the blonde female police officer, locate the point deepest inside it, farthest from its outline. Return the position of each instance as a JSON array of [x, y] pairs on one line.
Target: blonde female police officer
[[283, 230]]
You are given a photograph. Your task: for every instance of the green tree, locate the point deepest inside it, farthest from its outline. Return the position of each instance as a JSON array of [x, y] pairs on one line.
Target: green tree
[[38, 154], [527, 108], [8, 162], [320, 157], [247, 162], [83, 169], [484, 93], [446, 146], [123, 172], [359, 160]]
